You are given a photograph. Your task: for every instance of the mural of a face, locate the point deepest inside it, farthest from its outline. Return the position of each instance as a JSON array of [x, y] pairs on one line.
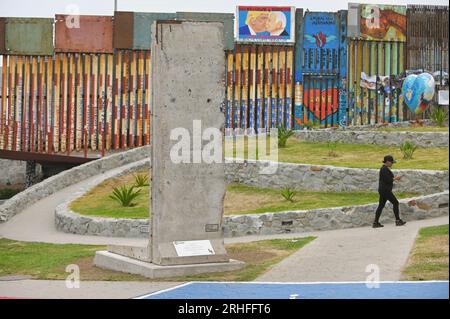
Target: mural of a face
[[276, 22], [273, 23], [259, 23]]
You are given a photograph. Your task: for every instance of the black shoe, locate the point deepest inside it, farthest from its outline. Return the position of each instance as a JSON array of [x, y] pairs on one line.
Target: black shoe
[[399, 222], [377, 225]]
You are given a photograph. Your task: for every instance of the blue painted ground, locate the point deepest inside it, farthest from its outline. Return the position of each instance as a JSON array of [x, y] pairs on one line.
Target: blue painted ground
[[352, 290]]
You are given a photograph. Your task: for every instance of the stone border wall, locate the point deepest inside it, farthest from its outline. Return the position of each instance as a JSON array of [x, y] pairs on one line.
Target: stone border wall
[[417, 208], [332, 178], [422, 207], [392, 138], [67, 178], [403, 124]]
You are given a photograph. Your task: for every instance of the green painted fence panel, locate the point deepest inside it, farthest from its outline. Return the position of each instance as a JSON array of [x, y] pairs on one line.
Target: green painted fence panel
[[226, 18], [141, 27], [29, 36]]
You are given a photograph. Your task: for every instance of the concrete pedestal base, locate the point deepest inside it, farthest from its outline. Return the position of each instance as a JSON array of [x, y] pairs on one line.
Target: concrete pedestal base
[[107, 260]]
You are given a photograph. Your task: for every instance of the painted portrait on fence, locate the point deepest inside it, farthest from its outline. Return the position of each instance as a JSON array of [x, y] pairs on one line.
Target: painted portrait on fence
[[383, 22], [265, 24]]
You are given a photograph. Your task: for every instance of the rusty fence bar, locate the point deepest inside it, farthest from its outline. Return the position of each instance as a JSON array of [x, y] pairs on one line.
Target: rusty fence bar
[[65, 104]]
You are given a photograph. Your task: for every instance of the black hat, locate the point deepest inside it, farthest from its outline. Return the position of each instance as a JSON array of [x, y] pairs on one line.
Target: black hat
[[389, 158]]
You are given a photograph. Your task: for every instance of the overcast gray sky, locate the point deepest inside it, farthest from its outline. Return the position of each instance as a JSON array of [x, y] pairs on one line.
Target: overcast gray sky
[[48, 8]]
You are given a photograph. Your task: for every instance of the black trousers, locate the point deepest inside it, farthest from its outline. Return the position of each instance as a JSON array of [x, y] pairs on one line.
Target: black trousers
[[384, 197]]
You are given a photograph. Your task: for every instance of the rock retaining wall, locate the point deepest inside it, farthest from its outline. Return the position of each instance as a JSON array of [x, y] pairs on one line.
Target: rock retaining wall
[[422, 207], [390, 138], [332, 178]]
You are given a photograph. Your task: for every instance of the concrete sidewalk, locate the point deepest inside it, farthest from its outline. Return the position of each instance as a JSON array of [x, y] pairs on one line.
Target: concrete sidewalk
[[56, 289], [343, 255]]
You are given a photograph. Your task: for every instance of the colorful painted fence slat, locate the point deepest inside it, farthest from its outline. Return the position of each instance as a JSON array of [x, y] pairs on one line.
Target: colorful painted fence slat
[[374, 88], [259, 88], [74, 102]]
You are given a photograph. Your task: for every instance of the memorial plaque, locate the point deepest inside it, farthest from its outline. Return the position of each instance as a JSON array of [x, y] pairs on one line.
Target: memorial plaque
[[194, 248], [211, 227]]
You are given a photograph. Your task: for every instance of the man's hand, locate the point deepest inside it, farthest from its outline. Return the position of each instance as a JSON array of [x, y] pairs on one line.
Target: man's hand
[[397, 178]]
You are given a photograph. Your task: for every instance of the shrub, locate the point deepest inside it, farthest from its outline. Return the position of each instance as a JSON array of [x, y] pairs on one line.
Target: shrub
[[408, 148], [439, 115], [288, 194], [141, 180], [283, 136], [124, 195], [332, 149]]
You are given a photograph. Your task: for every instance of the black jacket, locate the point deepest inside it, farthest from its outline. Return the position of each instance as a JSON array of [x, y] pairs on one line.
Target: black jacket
[[386, 180]]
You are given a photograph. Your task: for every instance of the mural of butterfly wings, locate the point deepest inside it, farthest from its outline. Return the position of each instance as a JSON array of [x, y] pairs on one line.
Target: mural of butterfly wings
[[310, 38], [320, 39]]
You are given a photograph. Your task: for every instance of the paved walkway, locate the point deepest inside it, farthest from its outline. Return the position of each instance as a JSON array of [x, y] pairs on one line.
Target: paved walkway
[[56, 289], [343, 255]]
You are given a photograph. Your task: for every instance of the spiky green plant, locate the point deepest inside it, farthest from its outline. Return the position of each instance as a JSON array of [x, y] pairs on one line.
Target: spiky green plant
[[408, 148], [124, 195], [332, 146], [438, 115], [288, 194], [141, 180], [283, 135]]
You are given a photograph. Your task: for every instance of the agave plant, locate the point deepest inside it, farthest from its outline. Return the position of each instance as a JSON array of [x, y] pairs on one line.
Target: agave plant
[[408, 148], [283, 135], [288, 194], [124, 195], [141, 180], [439, 115], [332, 146]]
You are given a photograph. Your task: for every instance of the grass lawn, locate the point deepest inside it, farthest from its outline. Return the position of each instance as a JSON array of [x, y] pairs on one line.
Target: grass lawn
[[239, 199], [429, 257], [353, 155], [49, 261]]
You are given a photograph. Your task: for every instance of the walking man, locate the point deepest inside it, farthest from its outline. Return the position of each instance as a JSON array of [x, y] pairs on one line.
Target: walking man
[[385, 190]]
